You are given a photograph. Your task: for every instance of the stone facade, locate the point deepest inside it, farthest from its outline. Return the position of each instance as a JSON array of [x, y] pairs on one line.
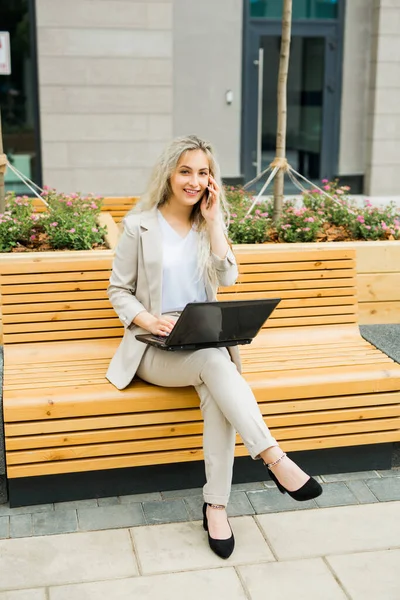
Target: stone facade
[[383, 132], [105, 74]]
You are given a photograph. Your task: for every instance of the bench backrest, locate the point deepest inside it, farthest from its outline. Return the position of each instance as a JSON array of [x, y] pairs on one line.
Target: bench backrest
[[56, 298], [116, 206]]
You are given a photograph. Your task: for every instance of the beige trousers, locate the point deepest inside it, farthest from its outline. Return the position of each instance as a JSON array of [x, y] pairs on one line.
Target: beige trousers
[[227, 405]]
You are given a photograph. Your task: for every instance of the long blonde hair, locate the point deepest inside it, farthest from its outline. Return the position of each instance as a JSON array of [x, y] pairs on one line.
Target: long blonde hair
[[159, 191]]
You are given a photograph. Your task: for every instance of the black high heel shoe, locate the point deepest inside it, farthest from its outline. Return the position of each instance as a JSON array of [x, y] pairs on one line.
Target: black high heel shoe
[[223, 548], [311, 489]]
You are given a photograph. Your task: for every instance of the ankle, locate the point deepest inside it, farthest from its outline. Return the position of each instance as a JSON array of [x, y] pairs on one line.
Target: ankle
[[272, 454]]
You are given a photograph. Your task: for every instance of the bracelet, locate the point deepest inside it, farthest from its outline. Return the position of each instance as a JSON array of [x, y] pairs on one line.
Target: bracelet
[[276, 462]]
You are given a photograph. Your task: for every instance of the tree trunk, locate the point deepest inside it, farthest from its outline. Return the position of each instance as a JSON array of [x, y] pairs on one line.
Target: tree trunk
[[282, 105], [2, 171]]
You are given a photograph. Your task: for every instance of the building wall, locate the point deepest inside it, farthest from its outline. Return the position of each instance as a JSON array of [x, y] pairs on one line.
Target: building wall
[[355, 85], [207, 42], [105, 72], [383, 131]]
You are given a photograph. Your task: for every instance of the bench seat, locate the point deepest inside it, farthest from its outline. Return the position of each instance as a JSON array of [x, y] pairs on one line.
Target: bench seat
[[318, 383]]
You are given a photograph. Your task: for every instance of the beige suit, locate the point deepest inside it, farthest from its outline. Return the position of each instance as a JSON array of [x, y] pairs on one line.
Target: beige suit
[[226, 400], [136, 283]]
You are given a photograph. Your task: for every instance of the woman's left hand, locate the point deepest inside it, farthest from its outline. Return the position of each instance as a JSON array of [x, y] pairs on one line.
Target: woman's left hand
[[210, 205]]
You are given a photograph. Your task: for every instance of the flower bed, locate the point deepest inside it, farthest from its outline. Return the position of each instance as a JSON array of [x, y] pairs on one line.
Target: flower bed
[[316, 218], [69, 223]]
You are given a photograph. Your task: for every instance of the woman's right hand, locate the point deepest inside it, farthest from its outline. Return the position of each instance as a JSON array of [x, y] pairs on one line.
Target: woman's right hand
[[156, 325]]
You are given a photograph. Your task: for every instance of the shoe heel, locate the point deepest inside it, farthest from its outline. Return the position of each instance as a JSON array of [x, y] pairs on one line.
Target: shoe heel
[[205, 520], [275, 480]]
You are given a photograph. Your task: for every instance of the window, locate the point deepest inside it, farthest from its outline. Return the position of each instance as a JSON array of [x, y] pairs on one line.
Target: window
[[18, 95], [302, 9]]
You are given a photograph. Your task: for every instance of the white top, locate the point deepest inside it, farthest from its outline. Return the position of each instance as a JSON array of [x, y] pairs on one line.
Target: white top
[[181, 283]]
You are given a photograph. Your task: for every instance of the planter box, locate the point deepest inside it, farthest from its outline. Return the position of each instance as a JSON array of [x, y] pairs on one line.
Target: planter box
[[378, 275]]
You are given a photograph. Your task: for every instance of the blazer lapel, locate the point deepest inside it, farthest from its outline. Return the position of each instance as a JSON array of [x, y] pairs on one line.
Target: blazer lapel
[[151, 239]]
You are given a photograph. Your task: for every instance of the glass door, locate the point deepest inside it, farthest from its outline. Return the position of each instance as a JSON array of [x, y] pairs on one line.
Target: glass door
[[312, 104]]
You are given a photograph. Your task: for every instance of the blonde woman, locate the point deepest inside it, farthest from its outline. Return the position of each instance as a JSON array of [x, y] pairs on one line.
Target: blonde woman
[[175, 250]]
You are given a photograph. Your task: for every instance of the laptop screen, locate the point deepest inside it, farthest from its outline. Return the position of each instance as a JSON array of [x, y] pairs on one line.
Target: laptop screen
[[206, 322]]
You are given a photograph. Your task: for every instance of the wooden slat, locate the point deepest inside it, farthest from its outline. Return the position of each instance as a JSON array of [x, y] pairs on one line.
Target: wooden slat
[[44, 288], [269, 253], [301, 322], [65, 276], [157, 458], [264, 268], [55, 264], [291, 285], [22, 338], [42, 307], [70, 315], [379, 312]]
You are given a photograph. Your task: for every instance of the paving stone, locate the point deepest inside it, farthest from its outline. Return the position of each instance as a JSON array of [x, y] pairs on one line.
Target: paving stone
[[383, 566], [349, 476], [361, 491], [336, 494], [131, 498], [75, 504], [109, 517], [4, 527], [300, 579], [272, 500], [238, 505], [248, 487], [63, 559], [385, 489], [20, 526], [55, 522], [389, 473], [168, 511], [184, 546], [111, 501], [182, 493], [23, 510], [213, 584], [338, 530], [37, 594]]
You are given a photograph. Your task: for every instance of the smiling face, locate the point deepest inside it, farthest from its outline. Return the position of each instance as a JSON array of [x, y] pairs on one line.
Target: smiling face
[[190, 178]]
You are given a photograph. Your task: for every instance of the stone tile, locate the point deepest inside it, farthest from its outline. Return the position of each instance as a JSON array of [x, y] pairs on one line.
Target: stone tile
[[361, 491], [335, 494], [389, 473], [149, 497], [383, 566], [337, 530], [182, 493], [238, 505], [184, 546], [4, 527], [63, 559], [111, 501], [385, 489], [248, 487], [168, 511], [214, 584], [271, 500], [349, 476], [23, 510], [37, 594], [110, 517], [20, 526], [300, 579], [55, 522], [75, 504]]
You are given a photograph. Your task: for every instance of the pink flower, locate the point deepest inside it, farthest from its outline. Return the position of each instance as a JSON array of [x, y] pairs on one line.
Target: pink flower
[[94, 229], [384, 226], [368, 227], [309, 219], [69, 203], [327, 187], [93, 205], [74, 196], [265, 214], [325, 180], [360, 219], [306, 229], [54, 224], [345, 188], [320, 212], [33, 237], [71, 230], [339, 192], [258, 211], [233, 215]]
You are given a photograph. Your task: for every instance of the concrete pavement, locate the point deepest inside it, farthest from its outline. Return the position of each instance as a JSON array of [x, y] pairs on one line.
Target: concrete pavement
[[339, 553]]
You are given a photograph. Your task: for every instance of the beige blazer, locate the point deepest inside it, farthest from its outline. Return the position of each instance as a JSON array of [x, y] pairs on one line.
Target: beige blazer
[[136, 284]]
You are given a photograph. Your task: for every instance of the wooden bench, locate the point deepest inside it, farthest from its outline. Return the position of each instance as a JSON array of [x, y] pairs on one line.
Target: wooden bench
[[319, 384]]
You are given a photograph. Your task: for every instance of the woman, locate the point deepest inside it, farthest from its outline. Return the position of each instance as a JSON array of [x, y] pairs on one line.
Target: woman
[[175, 250]]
